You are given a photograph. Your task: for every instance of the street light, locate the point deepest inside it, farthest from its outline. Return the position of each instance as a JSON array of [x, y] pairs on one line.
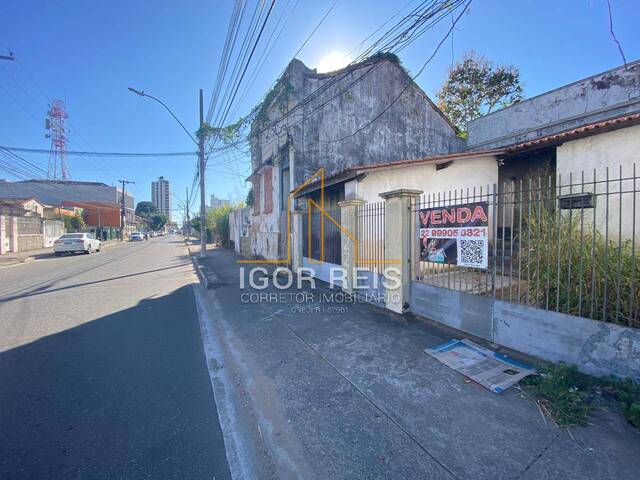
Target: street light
[[142, 94], [200, 143]]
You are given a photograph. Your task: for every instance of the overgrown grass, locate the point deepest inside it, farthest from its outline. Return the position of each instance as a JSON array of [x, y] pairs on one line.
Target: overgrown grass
[[568, 396], [565, 394], [574, 270]]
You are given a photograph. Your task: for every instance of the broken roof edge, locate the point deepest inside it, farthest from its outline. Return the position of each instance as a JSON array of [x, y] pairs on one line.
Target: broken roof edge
[[593, 128], [376, 58]]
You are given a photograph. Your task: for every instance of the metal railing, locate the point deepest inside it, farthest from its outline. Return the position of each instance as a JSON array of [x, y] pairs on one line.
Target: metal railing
[[370, 234], [568, 245]]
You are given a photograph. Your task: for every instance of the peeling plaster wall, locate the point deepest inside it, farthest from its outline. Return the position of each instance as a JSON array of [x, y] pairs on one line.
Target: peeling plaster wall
[[600, 97], [411, 128], [607, 150]]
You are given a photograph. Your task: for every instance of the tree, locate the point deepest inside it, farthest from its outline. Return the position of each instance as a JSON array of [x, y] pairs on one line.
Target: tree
[[74, 223], [475, 86], [146, 209], [249, 199], [158, 221], [218, 222]]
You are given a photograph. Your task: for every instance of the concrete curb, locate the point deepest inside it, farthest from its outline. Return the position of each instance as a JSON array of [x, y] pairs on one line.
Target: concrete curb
[[208, 278]]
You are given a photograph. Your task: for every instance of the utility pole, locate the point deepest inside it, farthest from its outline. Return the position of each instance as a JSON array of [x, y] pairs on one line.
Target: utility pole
[[187, 208], [203, 211], [123, 209]]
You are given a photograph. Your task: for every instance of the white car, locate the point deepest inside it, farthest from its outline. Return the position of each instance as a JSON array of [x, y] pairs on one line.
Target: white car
[[76, 242]]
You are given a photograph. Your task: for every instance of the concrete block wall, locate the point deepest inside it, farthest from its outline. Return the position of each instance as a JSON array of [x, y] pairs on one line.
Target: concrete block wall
[[596, 348]]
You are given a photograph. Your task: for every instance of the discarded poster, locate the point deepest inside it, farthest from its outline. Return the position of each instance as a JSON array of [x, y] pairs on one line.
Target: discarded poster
[[492, 370], [455, 234]]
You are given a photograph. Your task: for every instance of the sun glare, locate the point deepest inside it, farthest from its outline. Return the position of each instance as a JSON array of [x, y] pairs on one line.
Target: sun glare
[[332, 61]]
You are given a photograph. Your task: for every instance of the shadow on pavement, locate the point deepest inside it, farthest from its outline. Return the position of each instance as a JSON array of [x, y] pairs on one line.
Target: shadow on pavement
[[46, 288], [125, 396]]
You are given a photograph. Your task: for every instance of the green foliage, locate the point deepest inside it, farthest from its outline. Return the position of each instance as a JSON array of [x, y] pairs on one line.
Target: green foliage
[[74, 224], [568, 396], [195, 225], [627, 393], [158, 221], [392, 57], [576, 267], [218, 222], [227, 135], [475, 86], [249, 200], [277, 97], [564, 393], [145, 209]]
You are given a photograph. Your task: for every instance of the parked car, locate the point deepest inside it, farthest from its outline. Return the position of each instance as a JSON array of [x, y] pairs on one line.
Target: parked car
[[76, 242], [136, 237]]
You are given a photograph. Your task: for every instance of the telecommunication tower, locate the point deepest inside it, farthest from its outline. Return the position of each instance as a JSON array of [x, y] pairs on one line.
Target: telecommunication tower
[[55, 125]]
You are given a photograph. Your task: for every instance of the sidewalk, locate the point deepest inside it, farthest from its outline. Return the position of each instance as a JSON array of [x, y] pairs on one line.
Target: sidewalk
[[15, 258], [352, 395]]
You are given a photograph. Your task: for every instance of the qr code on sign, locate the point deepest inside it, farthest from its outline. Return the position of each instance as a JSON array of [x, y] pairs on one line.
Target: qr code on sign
[[472, 253]]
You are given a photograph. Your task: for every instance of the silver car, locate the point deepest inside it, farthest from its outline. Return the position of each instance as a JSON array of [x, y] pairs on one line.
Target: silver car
[[76, 242]]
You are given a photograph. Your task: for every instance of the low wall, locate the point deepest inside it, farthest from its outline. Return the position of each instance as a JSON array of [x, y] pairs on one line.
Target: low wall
[[321, 270], [30, 242], [596, 348]]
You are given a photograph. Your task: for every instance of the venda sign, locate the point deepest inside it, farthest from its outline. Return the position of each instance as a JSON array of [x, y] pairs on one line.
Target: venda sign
[[455, 235]]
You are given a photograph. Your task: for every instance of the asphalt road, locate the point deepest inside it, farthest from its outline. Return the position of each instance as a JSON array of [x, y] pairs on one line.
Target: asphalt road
[[102, 371]]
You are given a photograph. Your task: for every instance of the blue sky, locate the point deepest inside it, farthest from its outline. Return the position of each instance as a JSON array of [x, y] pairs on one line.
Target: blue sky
[[88, 53]]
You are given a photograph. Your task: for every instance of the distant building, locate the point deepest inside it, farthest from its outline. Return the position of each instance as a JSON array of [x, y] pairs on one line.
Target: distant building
[[218, 202], [56, 192], [21, 207], [161, 196]]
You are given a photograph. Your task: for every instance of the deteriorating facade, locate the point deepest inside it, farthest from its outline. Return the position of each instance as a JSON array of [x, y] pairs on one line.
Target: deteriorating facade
[[364, 114]]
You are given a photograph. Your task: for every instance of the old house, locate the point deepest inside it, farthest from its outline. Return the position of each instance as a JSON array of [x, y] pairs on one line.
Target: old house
[[561, 137], [312, 120]]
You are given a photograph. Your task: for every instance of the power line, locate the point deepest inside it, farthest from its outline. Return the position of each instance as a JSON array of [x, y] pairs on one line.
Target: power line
[[102, 154], [433, 10], [404, 89]]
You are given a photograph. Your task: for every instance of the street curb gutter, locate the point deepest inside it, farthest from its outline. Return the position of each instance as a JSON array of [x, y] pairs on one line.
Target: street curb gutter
[[246, 453], [199, 271]]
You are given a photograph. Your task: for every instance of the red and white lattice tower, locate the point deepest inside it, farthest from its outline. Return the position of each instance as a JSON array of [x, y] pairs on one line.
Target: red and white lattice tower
[[56, 118]]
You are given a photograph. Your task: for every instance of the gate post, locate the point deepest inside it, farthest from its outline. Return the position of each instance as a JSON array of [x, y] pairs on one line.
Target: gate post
[[13, 240], [399, 241], [3, 233], [348, 237], [296, 240]]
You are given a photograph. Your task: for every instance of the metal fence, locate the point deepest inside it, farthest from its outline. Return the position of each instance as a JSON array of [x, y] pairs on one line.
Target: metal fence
[[568, 245], [370, 235], [321, 238]]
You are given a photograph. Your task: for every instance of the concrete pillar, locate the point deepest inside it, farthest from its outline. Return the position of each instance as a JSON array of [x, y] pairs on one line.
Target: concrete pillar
[[296, 240], [399, 241], [3, 226], [349, 237], [13, 239]]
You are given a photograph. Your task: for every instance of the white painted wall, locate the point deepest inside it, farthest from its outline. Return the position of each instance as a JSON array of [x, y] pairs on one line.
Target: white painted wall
[[611, 149], [462, 174]]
